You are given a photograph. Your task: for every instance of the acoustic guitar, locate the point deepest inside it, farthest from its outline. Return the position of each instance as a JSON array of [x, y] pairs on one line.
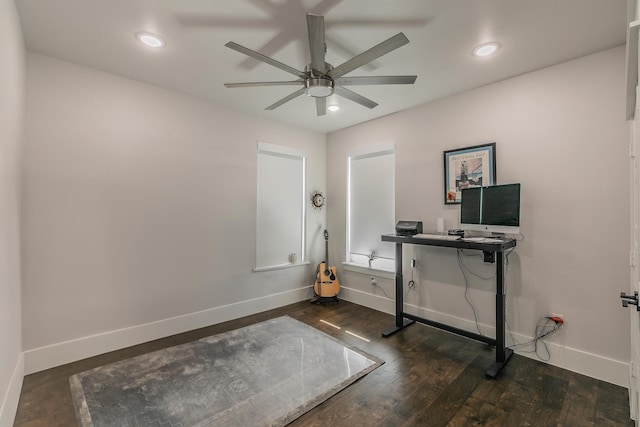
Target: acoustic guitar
[[326, 284]]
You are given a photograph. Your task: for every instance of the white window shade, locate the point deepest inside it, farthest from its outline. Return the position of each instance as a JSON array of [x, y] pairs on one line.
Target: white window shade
[[371, 204], [281, 208]]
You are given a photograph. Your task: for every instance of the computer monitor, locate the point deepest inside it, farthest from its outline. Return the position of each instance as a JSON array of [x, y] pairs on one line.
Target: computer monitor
[[494, 209]]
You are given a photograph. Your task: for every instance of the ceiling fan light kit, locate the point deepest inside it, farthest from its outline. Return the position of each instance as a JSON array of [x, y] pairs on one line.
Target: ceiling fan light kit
[[320, 79], [319, 87]]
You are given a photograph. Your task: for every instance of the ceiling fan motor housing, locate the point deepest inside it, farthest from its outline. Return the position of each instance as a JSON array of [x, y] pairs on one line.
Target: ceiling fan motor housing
[[319, 87]]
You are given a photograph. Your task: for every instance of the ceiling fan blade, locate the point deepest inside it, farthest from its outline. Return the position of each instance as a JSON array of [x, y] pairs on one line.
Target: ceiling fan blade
[[369, 55], [265, 59], [321, 106], [355, 97], [317, 47], [286, 99], [252, 84], [376, 80]]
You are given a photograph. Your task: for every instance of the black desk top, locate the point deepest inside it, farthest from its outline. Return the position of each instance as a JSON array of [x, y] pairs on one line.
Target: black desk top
[[498, 246]]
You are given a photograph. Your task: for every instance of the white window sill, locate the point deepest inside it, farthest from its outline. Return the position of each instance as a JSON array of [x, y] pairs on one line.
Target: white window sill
[[279, 267], [369, 271]]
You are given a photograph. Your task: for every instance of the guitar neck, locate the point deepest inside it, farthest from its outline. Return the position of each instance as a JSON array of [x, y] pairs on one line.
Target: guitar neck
[[326, 251]]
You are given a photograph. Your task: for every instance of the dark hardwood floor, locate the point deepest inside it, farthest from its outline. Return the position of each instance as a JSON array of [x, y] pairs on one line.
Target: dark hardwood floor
[[430, 378]]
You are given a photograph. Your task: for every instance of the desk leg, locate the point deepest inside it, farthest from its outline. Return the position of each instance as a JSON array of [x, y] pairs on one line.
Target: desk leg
[[502, 352], [401, 322]]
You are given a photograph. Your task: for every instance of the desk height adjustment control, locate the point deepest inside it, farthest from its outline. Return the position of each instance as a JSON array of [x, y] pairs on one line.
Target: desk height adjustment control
[[489, 257]]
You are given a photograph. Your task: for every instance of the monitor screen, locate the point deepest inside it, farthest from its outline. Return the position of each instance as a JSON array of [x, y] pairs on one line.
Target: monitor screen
[[494, 209], [470, 208], [501, 205]]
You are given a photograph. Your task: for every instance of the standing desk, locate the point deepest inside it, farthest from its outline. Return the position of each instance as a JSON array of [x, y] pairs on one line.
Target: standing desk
[[490, 249]]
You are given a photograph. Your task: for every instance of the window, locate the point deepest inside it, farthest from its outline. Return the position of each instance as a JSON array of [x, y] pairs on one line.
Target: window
[[371, 207], [281, 207]]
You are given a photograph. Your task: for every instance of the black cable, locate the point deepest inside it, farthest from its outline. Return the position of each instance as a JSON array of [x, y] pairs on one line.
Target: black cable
[[464, 267], [466, 292], [545, 327], [407, 291], [382, 289], [411, 285], [460, 251]]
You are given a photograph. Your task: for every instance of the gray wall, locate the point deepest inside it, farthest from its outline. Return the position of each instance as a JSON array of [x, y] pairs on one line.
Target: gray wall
[[140, 206], [11, 122], [561, 133]]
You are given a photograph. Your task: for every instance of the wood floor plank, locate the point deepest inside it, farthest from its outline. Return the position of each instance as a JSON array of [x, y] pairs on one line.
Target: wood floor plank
[[579, 408], [429, 378], [475, 412], [610, 409], [450, 401]]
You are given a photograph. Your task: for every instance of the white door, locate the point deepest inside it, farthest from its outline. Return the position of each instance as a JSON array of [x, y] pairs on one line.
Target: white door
[[633, 114], [634, 383]]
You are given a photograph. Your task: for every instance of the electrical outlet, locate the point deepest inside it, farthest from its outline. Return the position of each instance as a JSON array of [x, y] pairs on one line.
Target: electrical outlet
[[411, 284]]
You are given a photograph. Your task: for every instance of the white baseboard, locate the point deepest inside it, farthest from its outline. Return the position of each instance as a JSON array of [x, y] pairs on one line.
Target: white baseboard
[[571, 359], [12, 396], [582, 362], [35, 360], [366, 299], [39, 359]]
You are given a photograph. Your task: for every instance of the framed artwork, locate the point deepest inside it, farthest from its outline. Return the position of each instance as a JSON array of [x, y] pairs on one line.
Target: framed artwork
[[468, 167]]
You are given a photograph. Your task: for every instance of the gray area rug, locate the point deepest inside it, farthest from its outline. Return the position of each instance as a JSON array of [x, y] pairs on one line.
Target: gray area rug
[[267, 374]]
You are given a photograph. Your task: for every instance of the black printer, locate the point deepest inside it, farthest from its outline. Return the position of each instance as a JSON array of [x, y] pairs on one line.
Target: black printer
[[408, 228]]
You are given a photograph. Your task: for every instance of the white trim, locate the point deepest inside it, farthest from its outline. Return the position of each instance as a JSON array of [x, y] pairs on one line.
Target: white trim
[[268, 148], [575, 360], [39, 359], [9, 405], [369, 271], [376, 302], [279, 267], [631, 60], [373, 149]]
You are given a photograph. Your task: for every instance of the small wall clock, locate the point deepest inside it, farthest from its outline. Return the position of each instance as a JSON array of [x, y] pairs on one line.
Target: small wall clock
[[317, 199]]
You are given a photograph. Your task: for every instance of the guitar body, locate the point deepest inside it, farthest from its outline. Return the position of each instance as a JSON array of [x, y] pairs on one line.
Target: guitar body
[[326, 284]]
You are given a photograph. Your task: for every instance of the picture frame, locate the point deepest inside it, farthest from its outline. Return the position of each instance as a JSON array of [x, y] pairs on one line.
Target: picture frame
[[473, 166]]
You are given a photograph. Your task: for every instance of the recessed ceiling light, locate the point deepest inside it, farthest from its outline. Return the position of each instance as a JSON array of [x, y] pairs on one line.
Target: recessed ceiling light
[[150, 40], [333, 107], [486, 49]]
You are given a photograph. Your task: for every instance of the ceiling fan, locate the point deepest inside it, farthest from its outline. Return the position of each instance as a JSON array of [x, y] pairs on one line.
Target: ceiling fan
[[320, 79]]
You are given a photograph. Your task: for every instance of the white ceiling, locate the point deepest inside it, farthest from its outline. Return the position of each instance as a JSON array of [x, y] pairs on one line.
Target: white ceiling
[[532, 33]]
